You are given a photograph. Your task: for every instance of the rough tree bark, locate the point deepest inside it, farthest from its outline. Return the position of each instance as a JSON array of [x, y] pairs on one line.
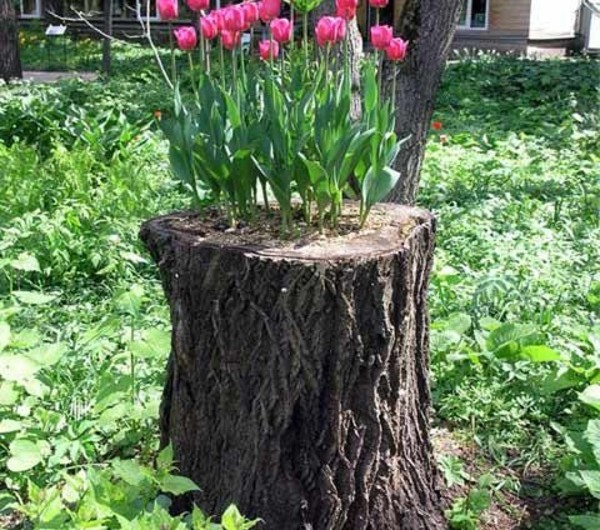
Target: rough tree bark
[[297, 386], [107, 10], [429, 25], [10, 61]]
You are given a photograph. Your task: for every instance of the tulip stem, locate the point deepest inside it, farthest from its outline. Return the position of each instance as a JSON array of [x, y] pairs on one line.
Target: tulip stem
[[377, 16], [235, 83], [394, 86], [207, 54], [202, 54], [172, 46], [380, 60], [347, 63], [243, 65], [222, 64], [305, 36], [194, 85]]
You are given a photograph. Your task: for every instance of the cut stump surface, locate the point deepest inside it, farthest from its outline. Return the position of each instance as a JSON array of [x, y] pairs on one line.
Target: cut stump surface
[[298, 384]]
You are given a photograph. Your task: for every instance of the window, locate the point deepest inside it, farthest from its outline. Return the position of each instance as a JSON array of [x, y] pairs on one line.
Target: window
[[30, 8], [474, 14]]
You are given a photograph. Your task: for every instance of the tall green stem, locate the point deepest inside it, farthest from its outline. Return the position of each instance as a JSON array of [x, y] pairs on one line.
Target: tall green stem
[[243, 65], [221, 54], [172, 46], [194, 84], [377, 16], [394, 87], [305, 36]]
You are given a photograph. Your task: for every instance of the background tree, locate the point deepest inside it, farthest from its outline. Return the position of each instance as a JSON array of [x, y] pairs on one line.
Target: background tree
[[429, 25], [10, 62], [107, 10]]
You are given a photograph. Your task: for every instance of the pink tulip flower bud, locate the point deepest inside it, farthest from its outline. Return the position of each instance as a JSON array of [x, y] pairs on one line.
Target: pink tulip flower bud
[[230, 39], [378, 4], [381, 36], [208, 27], [330, 30], [346, 9], [267, 49], [339, 29], [198, 5], [234, 18], [168, 9], [269, 10], [186, 38], [281, 29], [251, 13], [396, 50]]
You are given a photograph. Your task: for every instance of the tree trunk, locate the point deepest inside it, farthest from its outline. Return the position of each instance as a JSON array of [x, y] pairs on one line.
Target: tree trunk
[[429, 25], [297, 385], [107, 9], [10, 62]]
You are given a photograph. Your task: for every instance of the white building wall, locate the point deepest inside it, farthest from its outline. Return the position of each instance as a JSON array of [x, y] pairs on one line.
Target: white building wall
[[553, 19]]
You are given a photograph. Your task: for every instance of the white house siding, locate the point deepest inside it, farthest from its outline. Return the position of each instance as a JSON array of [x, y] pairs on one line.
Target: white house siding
[[553, 19]]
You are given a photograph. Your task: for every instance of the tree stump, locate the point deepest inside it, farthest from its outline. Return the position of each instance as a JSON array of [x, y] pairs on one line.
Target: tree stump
[[297, 385]]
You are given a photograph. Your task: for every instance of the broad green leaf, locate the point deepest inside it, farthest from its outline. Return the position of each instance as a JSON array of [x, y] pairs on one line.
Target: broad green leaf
[[130, 301], [592, 436], [7, 426], [7, 502], [8, 393], [47, 354], [177, 485], [130, 471], [377, 184], [33, 297], [17, 367], [591, 396], [154, 342], [505, 341], [26, 262], [540, 354], [4, 335], [588, 521], [164, 460], [26, 338], [591, 480], [24, 455], [459, 323]]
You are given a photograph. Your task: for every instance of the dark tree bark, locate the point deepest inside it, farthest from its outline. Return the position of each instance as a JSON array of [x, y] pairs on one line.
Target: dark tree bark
[[107, 9], [297, 386], [10, 61], [429, 25]]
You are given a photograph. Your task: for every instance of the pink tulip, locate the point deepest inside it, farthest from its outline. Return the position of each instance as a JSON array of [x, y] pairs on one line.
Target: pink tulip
[[330, 30], [208, 27], [269, 10], [219, 16], [186, 38], [268, 48], [339, 29], [346, 9], [168, 9], [381, 36], [234, 18], [251, 13], [198, 5], [230, 39], [281, 29], [378, 4], [396, 50]]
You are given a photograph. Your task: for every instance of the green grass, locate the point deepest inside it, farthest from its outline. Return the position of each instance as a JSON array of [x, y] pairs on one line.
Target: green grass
[[515, 185]]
